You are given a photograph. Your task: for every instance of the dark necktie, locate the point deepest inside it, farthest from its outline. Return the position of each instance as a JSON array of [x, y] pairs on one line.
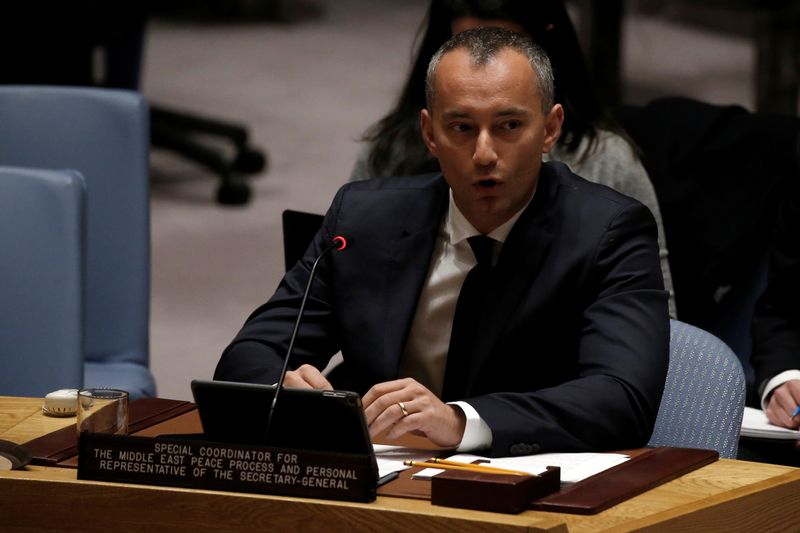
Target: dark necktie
[[470, 304]]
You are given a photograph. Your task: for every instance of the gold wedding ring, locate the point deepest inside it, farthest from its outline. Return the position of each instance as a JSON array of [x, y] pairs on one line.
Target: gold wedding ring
[[402, 407]]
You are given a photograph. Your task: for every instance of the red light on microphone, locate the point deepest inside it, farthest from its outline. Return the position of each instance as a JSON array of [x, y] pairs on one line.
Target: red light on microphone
[[342, 242]]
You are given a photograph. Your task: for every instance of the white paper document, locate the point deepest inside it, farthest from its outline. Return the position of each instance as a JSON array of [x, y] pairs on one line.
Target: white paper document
[[574, 466], [390, 458], [755, 424]]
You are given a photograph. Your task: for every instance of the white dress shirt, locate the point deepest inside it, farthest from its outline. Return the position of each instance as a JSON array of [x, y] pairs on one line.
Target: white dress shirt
[[775, 382], [425, 355]]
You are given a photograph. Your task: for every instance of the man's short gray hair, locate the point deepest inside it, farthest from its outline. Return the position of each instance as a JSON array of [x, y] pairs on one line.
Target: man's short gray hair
[[483, 44]]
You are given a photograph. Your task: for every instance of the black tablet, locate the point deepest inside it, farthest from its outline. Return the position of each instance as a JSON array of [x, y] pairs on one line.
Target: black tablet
[[331, 421]]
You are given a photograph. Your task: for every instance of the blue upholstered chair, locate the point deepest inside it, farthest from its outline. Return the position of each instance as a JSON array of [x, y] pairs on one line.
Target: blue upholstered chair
[[42, 231], [103, 134], [703, 400]]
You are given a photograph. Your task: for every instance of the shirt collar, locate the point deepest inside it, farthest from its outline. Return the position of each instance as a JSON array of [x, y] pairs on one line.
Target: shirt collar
[[458, 228]]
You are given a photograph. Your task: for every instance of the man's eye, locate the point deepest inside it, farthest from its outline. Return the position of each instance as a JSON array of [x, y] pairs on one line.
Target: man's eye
[[460, 127], [512, 124]]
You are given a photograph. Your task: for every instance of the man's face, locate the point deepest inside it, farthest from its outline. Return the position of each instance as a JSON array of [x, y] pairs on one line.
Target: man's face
[[488, 131]]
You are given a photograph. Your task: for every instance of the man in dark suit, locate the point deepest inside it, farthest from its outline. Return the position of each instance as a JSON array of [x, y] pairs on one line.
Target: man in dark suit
[[568, 348], [776, 334], [776, 324]]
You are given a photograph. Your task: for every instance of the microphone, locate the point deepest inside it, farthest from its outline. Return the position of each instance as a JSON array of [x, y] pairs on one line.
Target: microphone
[[339, 243]]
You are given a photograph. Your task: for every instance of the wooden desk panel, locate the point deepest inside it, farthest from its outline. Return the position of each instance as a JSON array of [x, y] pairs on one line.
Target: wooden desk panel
[[726, 495], [21, 419], [47, 498], [727, 489]]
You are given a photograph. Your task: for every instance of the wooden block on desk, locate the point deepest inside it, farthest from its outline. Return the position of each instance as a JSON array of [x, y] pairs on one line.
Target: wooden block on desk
[[624, 481], [500, 493]]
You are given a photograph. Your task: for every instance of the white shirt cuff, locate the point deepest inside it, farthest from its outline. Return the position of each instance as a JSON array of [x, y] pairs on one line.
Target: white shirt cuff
[[477, 434], [774, 383]]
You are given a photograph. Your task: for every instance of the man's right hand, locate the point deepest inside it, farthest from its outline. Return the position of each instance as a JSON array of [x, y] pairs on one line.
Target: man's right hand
[[784, 400], [307, 377], [405, 406]]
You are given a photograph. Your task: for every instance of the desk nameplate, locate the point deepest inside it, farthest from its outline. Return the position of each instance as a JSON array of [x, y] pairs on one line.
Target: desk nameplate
[[226, 466]]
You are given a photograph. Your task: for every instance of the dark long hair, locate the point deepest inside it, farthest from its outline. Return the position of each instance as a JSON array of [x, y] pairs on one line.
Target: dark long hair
[[546, 22]]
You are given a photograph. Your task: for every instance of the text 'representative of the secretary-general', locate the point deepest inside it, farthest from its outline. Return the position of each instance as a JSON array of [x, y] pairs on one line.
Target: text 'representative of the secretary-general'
[[222, 466]]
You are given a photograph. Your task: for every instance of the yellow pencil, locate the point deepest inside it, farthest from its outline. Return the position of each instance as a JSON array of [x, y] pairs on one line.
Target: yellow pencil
[[481, 466], [467, 467]]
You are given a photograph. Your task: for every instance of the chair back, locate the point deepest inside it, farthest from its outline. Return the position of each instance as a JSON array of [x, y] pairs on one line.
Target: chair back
[[102, 133], [42, 230], [703, 400], [299, 229]]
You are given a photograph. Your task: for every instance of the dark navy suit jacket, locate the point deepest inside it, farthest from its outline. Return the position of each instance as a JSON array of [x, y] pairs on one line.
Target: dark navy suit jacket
[[573, 346]]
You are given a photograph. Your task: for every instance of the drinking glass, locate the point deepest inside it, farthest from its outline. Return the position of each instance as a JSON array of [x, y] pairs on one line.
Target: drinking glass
[[103, 411]]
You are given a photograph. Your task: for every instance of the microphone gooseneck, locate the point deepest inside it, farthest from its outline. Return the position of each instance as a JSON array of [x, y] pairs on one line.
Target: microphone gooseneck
[[339, 243]]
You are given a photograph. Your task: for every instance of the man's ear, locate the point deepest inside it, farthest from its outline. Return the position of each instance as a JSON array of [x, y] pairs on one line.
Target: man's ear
[[552, 127], [426, 126]]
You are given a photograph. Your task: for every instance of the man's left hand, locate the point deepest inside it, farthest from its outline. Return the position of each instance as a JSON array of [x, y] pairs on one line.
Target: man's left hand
[[443, 424]]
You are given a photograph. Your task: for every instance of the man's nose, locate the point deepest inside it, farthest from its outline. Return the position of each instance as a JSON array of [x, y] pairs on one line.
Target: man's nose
[[485, 154]]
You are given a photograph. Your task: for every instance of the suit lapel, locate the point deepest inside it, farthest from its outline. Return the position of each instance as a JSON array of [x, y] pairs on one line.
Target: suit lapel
[[408, 262], [520, 261]]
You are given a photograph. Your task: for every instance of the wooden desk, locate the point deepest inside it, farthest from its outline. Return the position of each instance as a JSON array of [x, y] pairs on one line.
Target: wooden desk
[[724, 496]]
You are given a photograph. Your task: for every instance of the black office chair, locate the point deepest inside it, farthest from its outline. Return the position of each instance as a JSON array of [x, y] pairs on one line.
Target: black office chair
[[198, 139], [61, 58], [299, 229]]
